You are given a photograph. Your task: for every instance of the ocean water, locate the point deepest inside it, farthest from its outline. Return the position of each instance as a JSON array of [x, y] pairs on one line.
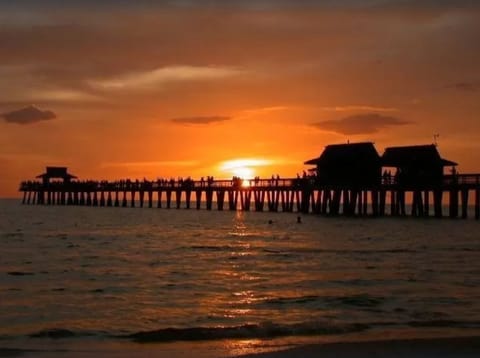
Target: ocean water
[[167, 277]]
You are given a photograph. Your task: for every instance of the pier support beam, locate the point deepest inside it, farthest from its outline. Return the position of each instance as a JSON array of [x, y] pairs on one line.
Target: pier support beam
[[259, 199], [209, 198], [464, 203], [124, 200], [453, 211], [198, 198], [159, 199], [437, 202], [169, 198], [178, 198], [220, 199], [477, 204], [383, 198], [232, 199], [426, 203], [245, 197], [150, 198], [375, 206]]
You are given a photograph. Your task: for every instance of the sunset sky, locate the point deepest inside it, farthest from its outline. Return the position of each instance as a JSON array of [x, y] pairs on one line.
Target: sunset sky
[[116, 89]]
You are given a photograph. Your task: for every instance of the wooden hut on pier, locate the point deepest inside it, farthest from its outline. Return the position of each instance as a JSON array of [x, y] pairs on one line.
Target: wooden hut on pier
[[348, 165], [56, 173], [346, 173], [418, 165]]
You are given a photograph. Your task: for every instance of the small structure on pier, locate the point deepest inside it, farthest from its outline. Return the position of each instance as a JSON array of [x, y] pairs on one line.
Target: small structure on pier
[[56, 173], [348, 165], [416, 165]]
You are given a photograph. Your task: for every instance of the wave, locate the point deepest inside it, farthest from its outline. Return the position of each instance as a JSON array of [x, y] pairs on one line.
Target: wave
[[361, 301], [265, 330], [58, 333], [20, 273], [445, 323], [247, 331]]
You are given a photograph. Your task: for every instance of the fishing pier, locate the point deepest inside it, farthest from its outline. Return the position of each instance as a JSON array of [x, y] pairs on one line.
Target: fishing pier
[[303, 195], [347, 180]]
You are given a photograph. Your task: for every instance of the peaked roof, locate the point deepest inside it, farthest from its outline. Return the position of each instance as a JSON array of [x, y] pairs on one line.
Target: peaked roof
[[346, 153], [413, 155], [56, 172]]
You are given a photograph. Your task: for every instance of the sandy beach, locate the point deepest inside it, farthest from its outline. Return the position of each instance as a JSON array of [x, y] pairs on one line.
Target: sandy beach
[[458, 347], [462, 347]]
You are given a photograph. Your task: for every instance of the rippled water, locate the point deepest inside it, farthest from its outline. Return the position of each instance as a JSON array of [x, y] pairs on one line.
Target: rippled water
[[168, 275]]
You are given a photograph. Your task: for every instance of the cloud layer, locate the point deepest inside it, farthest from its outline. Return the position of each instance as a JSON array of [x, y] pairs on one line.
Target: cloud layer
[[360, 124], [200, 119], [28, 115], [465, 86]]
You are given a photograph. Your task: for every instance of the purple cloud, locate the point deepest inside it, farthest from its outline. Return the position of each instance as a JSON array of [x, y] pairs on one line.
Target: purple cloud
[[200, 119], [360, 124], [28, 115]]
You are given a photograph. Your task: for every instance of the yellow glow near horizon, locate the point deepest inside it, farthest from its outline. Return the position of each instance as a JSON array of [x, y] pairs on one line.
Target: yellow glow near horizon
[[243, 168]]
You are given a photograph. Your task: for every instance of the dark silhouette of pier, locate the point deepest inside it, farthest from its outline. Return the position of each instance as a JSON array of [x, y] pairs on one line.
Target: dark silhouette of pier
[[347, 180], [303, 195]]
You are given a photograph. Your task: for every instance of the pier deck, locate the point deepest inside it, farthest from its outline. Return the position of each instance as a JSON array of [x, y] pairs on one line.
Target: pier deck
[[302, 195]]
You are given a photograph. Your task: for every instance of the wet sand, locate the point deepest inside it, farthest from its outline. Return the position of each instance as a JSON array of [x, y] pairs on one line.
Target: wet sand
[[462, 347]]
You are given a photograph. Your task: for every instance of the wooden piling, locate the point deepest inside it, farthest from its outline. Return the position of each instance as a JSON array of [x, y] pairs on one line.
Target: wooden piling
[[382, 203], [150, 198], [159, 199], [220, 199], [198, 198], [232, 200], [453, 206], [426, 203], [169, 198], [188, 195], [375, 206], [437, 202], [477, 204], [178, 198], [464, 203], [132, 198], [209, 198]]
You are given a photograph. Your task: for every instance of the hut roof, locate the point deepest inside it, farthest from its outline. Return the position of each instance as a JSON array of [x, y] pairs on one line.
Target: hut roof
[[56, 172], [350, 153], [413, 155]]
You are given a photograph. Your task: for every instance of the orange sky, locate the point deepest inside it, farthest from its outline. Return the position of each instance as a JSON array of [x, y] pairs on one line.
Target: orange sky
[[177, 89]]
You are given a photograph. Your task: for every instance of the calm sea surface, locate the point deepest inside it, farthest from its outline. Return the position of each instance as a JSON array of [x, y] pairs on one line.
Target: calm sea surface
[[158, 275]]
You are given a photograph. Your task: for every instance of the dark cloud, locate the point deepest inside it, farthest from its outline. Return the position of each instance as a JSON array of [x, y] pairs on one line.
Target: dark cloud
[[200, 119], [360, 124], [28, 115], [260, 4], [465, 86]]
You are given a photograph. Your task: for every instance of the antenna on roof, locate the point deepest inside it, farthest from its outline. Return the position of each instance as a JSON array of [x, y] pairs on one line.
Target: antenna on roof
[[435, 137]]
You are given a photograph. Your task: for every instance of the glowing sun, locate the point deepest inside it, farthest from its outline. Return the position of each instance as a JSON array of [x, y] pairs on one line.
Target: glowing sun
[[242, 168]]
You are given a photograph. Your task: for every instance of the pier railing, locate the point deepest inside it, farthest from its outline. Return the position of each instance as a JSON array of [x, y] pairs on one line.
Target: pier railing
[[462, 179]]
